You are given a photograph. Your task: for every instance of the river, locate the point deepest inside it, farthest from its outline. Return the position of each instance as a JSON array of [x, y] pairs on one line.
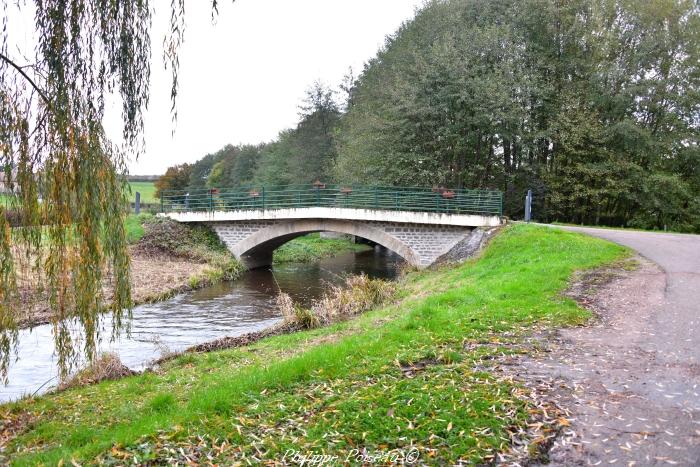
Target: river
[[225, 309]]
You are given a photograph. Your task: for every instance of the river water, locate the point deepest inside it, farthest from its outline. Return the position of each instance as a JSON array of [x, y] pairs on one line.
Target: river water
[[225, 309]]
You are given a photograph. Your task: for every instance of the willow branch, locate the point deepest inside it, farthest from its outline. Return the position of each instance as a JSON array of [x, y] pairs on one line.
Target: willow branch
[[26, 76]]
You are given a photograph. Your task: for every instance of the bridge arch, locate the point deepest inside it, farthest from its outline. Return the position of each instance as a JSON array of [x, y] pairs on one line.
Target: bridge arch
[[256, 249]]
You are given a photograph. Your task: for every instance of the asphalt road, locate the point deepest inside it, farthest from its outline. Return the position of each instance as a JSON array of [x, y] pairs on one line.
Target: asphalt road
[[641, 370], [678, 323]]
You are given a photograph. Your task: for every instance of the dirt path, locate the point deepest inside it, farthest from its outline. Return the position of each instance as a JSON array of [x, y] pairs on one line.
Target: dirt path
[[636, 373]]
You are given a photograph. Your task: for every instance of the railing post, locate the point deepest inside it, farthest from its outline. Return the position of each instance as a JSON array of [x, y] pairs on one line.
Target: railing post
[[376, 198], [161, 203], [318, 197], [211, 200], [263, 198]]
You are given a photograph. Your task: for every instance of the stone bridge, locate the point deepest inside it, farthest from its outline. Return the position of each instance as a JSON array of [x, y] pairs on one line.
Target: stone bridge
[[419, 224], [418, 237]]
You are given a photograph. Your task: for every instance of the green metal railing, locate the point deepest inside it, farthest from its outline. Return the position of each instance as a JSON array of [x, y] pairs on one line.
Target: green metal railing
[[442, 200]]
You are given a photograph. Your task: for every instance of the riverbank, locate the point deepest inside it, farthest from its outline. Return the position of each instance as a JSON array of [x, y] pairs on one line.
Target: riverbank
[[168, 258], [410, 376]]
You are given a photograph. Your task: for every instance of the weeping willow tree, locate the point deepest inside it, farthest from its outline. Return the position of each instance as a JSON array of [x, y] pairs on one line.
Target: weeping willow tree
[[65, 177]]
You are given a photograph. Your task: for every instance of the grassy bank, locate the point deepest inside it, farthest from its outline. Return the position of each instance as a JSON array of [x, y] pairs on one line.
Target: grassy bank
[[404, 376], [631, 229], [313, 248], [160, 244]]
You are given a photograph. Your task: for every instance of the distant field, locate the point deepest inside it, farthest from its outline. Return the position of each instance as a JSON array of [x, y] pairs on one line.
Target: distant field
[[147, 190]]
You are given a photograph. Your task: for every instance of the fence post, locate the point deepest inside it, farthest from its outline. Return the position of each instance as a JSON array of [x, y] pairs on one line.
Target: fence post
[[137, 204], [263, 198], [211, 200], [161, 202], [528, 206], [376, 198]]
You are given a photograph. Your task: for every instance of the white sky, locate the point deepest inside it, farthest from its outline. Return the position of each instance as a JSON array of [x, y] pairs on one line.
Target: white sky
[[242, 79]]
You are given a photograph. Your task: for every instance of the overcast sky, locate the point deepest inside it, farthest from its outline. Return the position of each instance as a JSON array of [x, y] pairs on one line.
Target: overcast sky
[[242, 79]]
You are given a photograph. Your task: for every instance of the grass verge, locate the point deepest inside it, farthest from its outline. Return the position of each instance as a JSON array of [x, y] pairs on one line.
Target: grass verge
[[401, 377]]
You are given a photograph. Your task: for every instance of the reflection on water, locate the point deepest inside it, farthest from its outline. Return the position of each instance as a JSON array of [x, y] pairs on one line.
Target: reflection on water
[[225, 309]]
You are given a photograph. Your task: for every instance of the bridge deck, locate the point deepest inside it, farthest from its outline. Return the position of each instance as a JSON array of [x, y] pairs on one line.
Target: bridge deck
[[350, 214]]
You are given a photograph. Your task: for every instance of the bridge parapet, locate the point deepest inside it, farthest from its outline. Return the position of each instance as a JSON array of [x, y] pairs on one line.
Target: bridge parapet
[[436, 200]]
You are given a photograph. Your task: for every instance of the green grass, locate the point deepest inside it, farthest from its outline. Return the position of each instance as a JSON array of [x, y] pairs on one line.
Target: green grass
[[147, 190], [134, 226], [312, 248], [337, 388]]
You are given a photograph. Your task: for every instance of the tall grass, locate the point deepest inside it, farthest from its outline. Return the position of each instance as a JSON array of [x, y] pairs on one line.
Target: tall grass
[[358, 294], [106, 366]]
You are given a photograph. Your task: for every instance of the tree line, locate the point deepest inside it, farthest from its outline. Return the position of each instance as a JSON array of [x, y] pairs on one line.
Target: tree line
[[299, 155], [593, 104]]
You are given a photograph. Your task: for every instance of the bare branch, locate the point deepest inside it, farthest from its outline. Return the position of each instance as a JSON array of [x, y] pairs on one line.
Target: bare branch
[[26, 76]]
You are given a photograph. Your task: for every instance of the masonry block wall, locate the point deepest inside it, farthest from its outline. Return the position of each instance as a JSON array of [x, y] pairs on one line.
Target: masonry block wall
[[231, 233], [419, 244], [428, 241]]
